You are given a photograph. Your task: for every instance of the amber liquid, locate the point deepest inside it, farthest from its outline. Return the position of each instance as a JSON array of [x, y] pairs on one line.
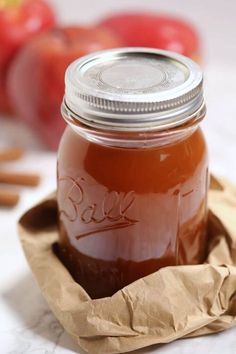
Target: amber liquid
[[124, 213]]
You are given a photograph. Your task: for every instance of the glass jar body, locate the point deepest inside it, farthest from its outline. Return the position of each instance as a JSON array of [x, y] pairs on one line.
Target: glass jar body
[[126, 212]]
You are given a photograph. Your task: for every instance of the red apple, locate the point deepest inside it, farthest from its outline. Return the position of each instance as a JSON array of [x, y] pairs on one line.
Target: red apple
[[20, 20], [36, 78], [156, 31]]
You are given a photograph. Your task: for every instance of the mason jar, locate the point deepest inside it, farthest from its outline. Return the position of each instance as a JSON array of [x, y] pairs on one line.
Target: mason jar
[[132, 167]]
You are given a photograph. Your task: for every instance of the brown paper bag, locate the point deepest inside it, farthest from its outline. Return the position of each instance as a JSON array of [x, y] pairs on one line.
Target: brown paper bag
[[172, 303]]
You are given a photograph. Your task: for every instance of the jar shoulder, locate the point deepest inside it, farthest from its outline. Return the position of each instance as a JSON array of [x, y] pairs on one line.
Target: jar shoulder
[[133, 169]]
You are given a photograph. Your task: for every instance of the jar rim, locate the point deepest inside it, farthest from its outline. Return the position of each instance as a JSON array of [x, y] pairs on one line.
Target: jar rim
[[133, 139]]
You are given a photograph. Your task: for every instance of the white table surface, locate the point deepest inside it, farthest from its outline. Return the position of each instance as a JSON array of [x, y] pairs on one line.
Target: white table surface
[[26, 323]]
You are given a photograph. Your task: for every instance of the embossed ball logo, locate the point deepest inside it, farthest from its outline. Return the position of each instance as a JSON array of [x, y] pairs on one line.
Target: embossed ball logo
[[94, 212]]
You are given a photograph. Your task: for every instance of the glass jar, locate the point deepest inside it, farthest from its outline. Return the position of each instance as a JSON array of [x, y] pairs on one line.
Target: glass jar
[[132, 167]]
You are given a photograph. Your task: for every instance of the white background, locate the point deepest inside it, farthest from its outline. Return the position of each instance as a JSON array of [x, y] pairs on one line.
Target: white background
[[26, 324]]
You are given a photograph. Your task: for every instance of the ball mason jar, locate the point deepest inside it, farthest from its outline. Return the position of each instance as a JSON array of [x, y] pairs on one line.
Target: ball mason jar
[[132, 167]]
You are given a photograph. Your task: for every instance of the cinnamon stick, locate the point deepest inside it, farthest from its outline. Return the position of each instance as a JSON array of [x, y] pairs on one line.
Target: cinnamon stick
[[22, 179], [11, 154], [8, 198]]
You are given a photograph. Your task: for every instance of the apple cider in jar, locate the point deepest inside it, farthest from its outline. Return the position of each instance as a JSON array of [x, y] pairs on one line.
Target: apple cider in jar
[[132, 167]]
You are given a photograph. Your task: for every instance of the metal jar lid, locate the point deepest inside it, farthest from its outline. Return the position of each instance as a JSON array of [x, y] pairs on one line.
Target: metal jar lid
[[133, 89]]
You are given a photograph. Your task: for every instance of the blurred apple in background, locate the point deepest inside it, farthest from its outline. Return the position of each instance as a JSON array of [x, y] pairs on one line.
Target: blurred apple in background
[[20, 21], [157, 31], [36, 79]]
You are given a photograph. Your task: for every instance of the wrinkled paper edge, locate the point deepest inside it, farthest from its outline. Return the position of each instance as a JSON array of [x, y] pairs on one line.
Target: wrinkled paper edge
[[174, 302]]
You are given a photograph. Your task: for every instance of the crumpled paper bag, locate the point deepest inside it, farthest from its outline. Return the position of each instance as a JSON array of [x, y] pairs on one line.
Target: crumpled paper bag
[[172, 303]]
